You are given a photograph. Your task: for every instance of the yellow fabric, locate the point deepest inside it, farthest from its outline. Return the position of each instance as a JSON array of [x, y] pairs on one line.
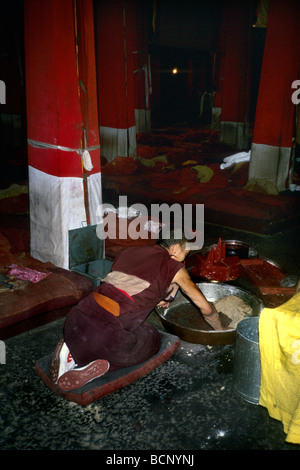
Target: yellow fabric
[[204, 173], [279, 344]]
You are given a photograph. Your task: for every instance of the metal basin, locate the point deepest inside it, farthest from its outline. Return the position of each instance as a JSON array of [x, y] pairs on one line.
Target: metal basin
[[184, 320]]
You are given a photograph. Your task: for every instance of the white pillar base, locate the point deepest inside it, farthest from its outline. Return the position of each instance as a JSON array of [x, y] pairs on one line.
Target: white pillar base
[[216, 118], [235, 134], [117, 142], [142, 120], [270, 163], [57, 206]]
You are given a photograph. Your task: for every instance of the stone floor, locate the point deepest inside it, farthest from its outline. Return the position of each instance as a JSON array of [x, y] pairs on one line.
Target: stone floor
[[184, 406]]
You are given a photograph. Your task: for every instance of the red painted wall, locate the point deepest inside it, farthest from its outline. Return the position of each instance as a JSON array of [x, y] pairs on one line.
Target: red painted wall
[[115, 44], [275, 111], [232, 95]]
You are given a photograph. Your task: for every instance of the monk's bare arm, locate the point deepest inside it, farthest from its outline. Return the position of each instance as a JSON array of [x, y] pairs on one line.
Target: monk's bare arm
[[189, 288]]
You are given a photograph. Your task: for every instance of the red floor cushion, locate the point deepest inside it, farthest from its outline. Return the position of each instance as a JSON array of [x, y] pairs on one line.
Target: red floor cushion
[[59, 289]]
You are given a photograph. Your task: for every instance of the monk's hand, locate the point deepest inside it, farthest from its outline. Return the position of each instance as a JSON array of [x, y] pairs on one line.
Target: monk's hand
[[213, 318], [163, 304]]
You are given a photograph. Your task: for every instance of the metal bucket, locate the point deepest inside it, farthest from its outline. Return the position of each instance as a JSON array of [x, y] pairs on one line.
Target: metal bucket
[[247, 370]]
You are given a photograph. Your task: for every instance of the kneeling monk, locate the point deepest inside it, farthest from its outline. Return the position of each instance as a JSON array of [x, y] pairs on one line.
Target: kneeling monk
[[107, 329]]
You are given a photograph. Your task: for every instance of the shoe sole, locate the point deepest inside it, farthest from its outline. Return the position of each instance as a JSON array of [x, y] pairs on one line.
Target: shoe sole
[[76, 378], [54, 366]]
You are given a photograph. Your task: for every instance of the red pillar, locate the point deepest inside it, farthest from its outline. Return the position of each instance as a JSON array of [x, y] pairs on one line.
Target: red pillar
[[232, 96], [274, 119], [62, 122], [142, 82], [115, 45]]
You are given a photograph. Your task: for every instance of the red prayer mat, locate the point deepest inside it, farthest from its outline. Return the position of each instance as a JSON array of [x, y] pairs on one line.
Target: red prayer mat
[[112, 380]]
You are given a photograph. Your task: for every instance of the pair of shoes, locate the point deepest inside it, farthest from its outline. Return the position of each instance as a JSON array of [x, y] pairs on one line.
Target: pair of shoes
[[62, 361], [78, 377]]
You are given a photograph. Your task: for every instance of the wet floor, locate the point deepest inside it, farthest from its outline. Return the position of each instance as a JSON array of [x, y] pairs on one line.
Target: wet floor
[[188, 404]]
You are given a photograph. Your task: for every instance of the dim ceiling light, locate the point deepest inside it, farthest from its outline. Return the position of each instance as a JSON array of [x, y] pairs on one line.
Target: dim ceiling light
[[174, 71]]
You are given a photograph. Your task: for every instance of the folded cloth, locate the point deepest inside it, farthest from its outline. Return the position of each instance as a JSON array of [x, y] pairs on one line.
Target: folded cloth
[[279, 343], [27, 274], [236, 158]]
